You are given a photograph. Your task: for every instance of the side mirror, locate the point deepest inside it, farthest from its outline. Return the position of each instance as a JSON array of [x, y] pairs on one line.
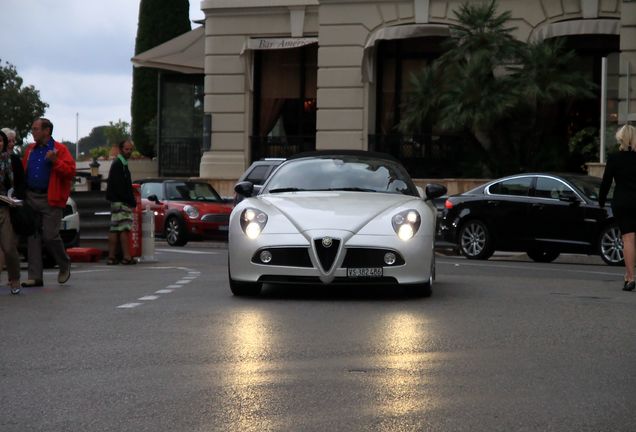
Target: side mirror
[[434, 190], [153, 198], [244, 188], [568, 196]]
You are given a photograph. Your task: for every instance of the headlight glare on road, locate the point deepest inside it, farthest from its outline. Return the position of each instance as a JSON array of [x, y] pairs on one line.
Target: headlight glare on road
[[406, 224], [253, 222]]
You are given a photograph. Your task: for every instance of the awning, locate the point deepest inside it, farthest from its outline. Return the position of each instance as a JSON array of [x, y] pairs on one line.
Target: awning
[[577, 27], [397, 32], [277, 43], [185, 54]]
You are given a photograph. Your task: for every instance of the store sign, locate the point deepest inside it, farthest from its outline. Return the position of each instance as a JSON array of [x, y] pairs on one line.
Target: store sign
[[279, 43]]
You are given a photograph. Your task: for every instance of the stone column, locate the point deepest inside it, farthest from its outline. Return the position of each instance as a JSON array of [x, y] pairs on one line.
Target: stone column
[[627, 74]]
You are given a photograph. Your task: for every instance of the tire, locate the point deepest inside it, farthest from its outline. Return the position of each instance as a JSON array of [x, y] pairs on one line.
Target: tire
[[175, 231], [543, 256], [610, 245], [475, 241]]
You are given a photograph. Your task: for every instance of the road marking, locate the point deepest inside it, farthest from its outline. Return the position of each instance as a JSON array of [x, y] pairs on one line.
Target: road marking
[[148, 297], [163, 291], [190, 277], [128, 305], [183, 281], [174, 286], [191, 252], [520, 267]]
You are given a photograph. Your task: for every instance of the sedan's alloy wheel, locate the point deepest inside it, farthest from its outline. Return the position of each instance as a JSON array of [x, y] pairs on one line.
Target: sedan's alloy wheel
[[474, 240], [611, 246]]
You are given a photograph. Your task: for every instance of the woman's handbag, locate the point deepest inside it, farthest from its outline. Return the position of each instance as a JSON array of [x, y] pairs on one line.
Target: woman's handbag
[[23, 219]]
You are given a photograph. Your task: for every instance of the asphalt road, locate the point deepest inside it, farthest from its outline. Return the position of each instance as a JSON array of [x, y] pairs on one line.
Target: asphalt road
[[502, 345]]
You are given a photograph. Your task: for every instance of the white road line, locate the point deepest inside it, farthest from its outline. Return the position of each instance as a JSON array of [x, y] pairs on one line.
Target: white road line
[[519, 267], [191, 252], [174, 286], [163, 291], [190, 277], [148, 297], [128, 305], [183, 281]]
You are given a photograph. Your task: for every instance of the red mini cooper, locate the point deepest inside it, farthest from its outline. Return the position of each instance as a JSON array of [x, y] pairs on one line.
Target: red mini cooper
[[185, 210]]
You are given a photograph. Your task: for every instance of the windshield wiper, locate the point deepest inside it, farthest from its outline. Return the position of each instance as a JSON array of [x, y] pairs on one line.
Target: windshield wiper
[[352, 189], [288, 189]]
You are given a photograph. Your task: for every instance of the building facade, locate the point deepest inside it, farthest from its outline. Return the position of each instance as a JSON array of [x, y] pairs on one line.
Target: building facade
[[283, 76]]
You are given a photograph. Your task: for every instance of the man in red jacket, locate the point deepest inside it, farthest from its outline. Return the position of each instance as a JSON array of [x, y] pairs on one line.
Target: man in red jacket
[[50, 170]]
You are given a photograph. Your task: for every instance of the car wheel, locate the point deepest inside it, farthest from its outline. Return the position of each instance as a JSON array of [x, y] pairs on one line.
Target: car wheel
[[475, 241], [610, 245], [244, 289], [175, 231], [543, 256]]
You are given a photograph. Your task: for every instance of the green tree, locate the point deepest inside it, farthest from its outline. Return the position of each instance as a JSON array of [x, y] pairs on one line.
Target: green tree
[[495, 89], [19, 105], [96, 138], [116, 132], [159, 21]]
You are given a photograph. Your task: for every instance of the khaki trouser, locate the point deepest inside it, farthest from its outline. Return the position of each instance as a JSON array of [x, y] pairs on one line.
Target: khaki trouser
[[48, 221], [8, 245]]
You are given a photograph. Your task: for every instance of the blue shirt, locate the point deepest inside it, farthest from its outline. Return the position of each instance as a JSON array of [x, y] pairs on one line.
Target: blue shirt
[[38, 167]]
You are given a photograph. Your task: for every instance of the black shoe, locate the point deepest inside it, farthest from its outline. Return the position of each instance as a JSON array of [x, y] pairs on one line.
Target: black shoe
[[64, 275], [629, 286], [32, 283]]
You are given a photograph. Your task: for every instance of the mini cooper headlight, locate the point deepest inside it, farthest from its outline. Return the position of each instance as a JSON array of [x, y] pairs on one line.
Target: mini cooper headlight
[[406, 224], [191, 211], [252, 222]]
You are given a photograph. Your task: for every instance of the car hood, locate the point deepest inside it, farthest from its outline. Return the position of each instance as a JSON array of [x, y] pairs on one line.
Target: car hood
[[348, 211]]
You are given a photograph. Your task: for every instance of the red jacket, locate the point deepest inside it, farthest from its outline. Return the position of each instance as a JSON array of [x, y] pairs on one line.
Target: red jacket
[[62, 174]]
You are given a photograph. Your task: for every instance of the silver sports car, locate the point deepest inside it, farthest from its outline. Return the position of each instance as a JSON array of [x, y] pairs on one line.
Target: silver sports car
[[334, 217]]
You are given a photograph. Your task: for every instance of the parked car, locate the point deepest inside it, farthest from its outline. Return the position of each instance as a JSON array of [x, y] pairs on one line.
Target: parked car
[[334, 217], [542, 214], [257, 173], [185, 210]]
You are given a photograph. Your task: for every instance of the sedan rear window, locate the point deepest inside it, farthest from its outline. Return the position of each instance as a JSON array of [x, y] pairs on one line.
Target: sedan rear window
[[516, 187]]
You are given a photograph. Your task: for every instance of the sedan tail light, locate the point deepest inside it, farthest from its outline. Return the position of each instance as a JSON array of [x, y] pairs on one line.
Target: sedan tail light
[[448, 204]]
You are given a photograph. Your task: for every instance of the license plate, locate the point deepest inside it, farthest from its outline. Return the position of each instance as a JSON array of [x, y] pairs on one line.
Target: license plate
[[364, 272]]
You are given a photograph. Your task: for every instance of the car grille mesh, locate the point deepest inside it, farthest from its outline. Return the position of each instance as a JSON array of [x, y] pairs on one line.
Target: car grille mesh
[[289, 257], [367, 257], [221, 218], [326, 255]]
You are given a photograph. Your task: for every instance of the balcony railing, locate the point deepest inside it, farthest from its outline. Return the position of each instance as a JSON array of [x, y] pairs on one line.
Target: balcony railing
[[179, 156], [424, 156]]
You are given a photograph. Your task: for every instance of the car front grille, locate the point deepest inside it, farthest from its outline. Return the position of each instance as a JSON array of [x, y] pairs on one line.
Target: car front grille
[[366, 257], [285, 256], [326, 253], [280, 279], [217, 218]]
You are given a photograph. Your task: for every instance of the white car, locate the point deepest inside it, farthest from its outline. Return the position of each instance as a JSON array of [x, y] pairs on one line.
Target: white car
[[334, 217], [70, 226]]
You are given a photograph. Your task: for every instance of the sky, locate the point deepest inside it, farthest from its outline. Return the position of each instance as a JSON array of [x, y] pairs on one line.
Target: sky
[[77, 54]]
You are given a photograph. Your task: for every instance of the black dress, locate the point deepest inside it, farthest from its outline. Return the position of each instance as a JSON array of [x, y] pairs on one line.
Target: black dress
[[621, 169]]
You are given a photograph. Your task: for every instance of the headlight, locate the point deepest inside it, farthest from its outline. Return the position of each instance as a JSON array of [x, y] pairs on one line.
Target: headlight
[[252, 222], [406, 224], [191, 211]]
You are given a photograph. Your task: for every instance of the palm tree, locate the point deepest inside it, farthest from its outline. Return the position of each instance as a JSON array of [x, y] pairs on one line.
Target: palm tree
[[492, 86]]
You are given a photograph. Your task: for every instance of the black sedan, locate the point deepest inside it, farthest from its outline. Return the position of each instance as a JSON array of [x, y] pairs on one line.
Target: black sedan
[[540, 214]]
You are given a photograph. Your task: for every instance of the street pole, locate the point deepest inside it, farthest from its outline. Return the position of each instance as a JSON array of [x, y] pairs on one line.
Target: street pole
[[76, 136]]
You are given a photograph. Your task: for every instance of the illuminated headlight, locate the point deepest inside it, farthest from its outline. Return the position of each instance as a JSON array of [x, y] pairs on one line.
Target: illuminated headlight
[[252, 222], [191, 211], [406, 224]]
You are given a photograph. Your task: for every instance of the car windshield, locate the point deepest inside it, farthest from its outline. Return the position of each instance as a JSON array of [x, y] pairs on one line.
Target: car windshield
[[191, 191], [589, 186], [342, 173]]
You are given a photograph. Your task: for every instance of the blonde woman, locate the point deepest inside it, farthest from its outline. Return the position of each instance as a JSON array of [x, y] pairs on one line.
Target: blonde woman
[[621, 169], [7, 236]]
